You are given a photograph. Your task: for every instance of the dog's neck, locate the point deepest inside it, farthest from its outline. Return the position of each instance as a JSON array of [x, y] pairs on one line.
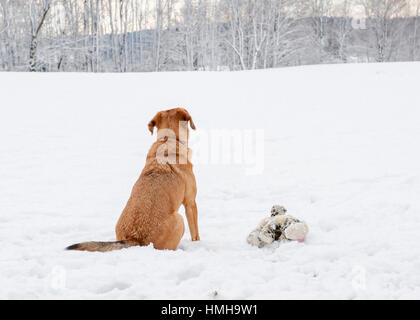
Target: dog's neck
[[180, 136], [166, 138]]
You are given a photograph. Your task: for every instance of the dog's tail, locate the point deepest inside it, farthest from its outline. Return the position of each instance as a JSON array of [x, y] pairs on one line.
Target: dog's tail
[[103, 246]]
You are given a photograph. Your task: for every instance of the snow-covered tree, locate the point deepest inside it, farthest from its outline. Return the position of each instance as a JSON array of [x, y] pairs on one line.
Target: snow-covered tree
[[171, 35]]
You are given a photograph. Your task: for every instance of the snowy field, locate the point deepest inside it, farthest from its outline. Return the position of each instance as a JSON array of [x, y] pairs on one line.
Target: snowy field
[[341, 152]]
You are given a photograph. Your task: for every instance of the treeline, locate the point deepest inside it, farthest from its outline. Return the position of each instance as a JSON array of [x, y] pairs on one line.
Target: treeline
[[172, 35]]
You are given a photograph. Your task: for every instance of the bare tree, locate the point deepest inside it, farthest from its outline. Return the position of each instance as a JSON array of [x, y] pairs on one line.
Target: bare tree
[[343, 30], [160, 35], [320, 13], [415, 7], [38, 13], [386, 27]]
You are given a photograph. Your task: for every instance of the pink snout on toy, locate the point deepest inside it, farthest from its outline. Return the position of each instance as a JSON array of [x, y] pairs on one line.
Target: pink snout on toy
[[297, 232]]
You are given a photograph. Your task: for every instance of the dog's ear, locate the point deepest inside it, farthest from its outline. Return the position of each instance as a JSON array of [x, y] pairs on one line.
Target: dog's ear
[[154, 123], [185, 116]]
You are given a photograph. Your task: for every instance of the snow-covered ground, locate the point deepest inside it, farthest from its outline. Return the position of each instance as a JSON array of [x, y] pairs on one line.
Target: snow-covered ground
[[341, 152]]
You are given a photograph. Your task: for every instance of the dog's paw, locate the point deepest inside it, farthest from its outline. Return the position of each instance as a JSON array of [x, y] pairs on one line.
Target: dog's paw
[[266, 238], [253, 239]]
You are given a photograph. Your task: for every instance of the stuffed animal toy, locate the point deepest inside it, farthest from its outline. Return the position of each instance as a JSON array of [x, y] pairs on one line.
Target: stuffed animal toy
[[278, 227]]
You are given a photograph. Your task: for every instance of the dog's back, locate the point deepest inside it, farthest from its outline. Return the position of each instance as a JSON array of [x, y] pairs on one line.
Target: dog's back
[[157, 194]]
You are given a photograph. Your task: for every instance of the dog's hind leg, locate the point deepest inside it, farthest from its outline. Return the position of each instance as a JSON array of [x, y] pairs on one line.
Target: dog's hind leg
[[170, 233]]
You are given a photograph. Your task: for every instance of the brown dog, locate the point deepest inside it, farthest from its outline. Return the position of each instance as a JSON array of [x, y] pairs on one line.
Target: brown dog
[[167, 181]]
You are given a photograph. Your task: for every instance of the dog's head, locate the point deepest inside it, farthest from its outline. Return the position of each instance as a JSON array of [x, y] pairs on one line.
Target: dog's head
[[170, 122], [278, 210]]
